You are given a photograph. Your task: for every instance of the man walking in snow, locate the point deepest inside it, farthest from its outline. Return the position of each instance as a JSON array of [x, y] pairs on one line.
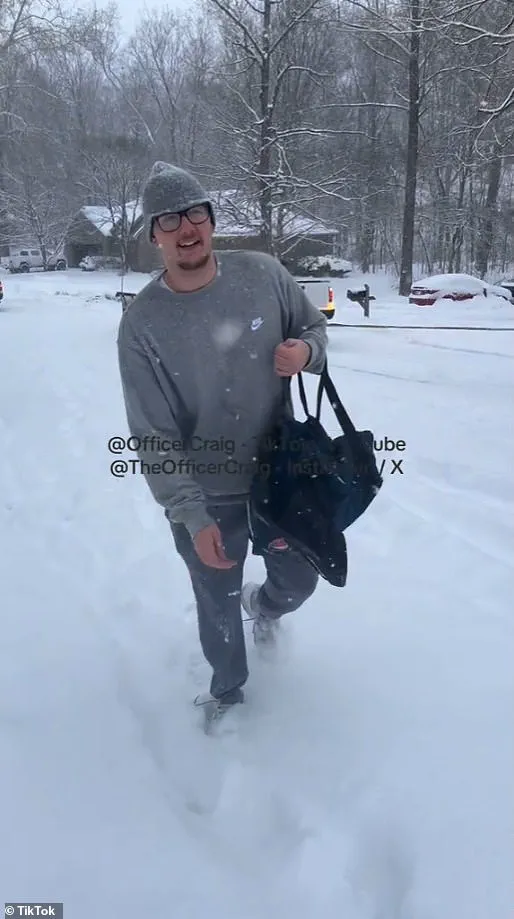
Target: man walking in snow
[[204, 352]]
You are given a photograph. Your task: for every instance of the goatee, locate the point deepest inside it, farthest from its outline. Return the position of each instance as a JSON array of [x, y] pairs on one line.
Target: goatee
[[194, 266]]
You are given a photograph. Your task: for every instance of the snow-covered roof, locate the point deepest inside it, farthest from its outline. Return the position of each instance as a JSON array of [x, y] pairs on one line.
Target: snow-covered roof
[[102, 217], [237, 215], [134, 211]]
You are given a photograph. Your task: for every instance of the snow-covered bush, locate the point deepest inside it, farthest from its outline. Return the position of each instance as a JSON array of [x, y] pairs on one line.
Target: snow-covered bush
[[321, 266]]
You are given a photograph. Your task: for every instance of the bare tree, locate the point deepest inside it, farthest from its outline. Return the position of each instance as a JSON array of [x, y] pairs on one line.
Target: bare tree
[[112, 175], [165, 77], [489, 22], [395, 32], [36, 212], [31, 31], [266, 61], [393, 119]]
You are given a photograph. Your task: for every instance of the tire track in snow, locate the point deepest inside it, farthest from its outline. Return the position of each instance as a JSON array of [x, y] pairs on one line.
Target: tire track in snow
[[439, 482], [389, 376], [474, 351], [415, 509]]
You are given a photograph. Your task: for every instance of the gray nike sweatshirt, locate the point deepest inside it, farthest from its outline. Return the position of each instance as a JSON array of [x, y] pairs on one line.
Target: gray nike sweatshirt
[[199, 383]]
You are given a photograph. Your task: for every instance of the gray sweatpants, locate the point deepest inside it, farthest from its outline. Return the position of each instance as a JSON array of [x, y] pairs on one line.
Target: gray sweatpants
[[290, 581]]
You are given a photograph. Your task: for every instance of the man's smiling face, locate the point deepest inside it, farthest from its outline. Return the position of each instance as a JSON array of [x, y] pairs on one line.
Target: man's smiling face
[[189, 247]]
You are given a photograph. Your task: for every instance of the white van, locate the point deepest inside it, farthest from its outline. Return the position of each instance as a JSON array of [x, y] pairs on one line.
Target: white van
[[23, 260]]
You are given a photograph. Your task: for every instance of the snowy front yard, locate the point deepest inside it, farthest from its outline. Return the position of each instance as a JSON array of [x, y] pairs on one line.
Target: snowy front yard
[[371, 773]]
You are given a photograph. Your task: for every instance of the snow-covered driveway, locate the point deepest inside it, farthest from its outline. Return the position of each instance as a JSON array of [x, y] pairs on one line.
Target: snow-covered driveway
[[371, 775]]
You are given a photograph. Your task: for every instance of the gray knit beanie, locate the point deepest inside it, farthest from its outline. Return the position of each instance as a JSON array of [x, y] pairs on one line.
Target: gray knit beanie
[[169, 188]]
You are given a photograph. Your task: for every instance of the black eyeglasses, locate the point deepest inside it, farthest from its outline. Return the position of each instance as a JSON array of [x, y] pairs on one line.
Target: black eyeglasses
[[168, 223]]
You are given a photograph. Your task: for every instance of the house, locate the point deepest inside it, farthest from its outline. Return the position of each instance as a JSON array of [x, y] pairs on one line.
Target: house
[[143, 255], [238, 223], [238, 227], [90, 233], [94, 230]]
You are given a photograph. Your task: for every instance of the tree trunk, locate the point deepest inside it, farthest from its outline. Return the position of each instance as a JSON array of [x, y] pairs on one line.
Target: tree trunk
[[266, 138], [455, 258], [4, 219], [412, 154], [367, 228], [367, 235], [486, 237]]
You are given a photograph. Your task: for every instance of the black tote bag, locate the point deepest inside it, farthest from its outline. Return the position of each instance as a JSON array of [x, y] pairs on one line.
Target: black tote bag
[[309, 487]]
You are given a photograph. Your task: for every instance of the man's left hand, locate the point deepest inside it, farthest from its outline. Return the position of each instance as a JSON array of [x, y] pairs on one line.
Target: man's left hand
[[291, 357]]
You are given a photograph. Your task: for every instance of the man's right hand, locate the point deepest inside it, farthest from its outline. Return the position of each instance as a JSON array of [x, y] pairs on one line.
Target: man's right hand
[[209, 548]]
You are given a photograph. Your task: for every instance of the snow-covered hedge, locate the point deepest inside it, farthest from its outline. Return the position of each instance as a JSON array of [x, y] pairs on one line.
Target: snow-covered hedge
[[322, 266]]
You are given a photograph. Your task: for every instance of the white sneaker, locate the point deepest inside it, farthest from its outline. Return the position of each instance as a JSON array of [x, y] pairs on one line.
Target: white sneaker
[[205, 698], [214, 709], [264, 627]]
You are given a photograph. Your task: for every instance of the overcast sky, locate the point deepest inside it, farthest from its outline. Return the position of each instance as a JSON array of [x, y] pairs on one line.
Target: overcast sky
[[131, 10]]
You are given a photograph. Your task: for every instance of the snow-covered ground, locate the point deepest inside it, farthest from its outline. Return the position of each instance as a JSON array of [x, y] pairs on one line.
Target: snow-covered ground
[[371, 774]]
